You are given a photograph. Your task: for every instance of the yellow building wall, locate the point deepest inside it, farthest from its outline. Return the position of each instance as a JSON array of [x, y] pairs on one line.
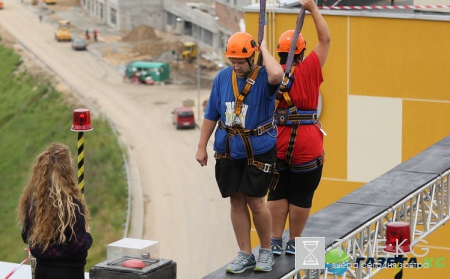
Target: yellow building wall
[[401, 61]]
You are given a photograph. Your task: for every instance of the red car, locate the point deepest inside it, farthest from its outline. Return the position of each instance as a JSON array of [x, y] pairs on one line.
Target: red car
[[183, 117]]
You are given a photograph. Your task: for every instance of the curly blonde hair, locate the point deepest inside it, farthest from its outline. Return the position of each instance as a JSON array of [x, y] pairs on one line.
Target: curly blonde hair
[[50, 198]]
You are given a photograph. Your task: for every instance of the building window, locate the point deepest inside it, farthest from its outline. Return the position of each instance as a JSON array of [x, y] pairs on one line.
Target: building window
[[113, 16], [229, 14], [101, 10]]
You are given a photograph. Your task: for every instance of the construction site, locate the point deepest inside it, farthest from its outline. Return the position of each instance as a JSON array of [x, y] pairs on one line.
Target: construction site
[[385, 163]]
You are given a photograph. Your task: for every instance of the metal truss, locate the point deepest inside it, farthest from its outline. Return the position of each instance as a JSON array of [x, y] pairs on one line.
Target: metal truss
[[425, 210]]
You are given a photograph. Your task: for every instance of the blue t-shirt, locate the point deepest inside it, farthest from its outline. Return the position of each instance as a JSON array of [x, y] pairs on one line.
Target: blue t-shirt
[[257, 110]]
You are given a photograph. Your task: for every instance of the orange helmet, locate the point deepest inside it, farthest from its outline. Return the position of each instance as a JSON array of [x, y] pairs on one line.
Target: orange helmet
[[284, 43], [240, 45]]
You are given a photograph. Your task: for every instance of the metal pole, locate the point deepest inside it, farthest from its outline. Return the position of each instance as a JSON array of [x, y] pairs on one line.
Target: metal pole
[[198, 81], [81, 122], [81, 161]]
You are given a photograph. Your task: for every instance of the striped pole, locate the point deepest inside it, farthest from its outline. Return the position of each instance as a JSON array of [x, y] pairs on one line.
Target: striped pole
[[81, 124], [399, 267], [81, 161]]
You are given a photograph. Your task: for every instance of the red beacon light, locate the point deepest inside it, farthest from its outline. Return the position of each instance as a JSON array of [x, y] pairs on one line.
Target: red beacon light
[[398, 234], [81, 120]]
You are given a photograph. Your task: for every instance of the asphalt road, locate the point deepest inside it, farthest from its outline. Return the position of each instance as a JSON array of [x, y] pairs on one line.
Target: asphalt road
[[174, 200]]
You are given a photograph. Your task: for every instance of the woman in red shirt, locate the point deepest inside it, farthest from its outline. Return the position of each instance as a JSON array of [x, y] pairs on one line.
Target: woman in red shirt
[[300, 136]]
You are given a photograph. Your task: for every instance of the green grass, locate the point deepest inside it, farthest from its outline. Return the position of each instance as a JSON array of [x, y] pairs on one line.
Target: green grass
[[32, 116]]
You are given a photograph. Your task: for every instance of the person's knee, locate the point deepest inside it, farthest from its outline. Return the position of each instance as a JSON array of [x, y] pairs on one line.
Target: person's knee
[[257, 205], [237, 200], [302, 202]]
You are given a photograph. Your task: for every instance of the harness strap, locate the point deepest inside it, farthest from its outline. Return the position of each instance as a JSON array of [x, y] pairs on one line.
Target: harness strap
[[293, 136], [283, 91], [281, 117], [267, 168], [302, 167], [247, 133], [237, 129], [240, 96]]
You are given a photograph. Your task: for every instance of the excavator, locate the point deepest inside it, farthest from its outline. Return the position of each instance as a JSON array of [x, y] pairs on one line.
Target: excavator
[[189, 51]]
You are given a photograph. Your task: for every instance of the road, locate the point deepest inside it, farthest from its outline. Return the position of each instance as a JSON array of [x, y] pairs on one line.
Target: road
[[174, 200]]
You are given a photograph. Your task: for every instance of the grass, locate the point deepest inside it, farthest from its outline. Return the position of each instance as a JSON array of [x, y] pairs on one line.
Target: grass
[[32, 116]]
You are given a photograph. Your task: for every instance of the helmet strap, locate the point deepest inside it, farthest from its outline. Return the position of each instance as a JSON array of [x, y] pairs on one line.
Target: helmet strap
[[250, 64]]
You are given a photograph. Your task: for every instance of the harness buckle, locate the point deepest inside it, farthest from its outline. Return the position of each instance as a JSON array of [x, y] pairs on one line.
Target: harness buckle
[[237, 120], [315, 118], [293, 110], [267, 167], [259, 130], [251, 81], [286, 79]]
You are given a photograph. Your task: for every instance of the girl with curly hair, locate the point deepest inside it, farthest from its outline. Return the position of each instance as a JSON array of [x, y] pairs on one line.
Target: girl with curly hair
[[54, 216]]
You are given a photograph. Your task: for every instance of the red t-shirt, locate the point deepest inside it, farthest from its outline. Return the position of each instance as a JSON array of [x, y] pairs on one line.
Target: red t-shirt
[[305, 96]]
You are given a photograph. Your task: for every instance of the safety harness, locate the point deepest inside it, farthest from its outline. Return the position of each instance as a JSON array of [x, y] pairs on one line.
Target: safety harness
[[291, 116], [245, 134]]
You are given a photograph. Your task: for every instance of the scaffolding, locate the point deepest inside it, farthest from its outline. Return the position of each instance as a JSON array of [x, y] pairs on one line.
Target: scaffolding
[[426, 209]]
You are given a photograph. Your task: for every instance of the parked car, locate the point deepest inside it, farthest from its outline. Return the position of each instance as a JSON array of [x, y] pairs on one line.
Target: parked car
[[183, 117], [79, 44]]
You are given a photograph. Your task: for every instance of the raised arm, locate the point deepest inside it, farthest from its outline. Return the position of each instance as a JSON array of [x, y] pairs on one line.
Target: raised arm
[[274, 70], [323, 34]]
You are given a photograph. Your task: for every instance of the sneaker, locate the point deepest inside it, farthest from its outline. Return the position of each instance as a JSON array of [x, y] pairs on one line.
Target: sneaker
[[277, 245], [265, 260], [290, 247], [242, 262]]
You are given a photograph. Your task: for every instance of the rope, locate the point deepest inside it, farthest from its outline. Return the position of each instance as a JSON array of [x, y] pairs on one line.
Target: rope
[[395, 7], [298, 28], [22, 263], [262, 22]]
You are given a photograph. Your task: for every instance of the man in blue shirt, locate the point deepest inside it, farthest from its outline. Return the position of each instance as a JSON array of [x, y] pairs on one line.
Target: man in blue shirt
[[242, 102]]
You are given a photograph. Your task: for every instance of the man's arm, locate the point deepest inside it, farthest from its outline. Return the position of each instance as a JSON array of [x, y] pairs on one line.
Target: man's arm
[[323, 34], [274, 70]]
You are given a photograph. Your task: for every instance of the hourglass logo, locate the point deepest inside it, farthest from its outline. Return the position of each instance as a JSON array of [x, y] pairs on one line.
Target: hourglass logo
[[310, 253]]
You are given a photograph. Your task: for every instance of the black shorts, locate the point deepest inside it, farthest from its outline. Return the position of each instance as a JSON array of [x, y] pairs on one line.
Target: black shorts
[[297, 187], [235, 175]]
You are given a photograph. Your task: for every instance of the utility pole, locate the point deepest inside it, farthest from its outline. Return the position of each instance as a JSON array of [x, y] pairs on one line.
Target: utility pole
[[198, 80]]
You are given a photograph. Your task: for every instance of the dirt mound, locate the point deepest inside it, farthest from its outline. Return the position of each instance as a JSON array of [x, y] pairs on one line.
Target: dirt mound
[[154, 48], [141, 33]]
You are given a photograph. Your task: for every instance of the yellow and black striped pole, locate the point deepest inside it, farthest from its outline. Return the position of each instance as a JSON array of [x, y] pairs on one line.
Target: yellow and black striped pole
[[81, 123], [81, 161], [399, 267]]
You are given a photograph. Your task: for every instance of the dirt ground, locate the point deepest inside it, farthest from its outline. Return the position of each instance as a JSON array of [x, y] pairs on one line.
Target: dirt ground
[[146, 43], [141, 43], [29, 63]]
